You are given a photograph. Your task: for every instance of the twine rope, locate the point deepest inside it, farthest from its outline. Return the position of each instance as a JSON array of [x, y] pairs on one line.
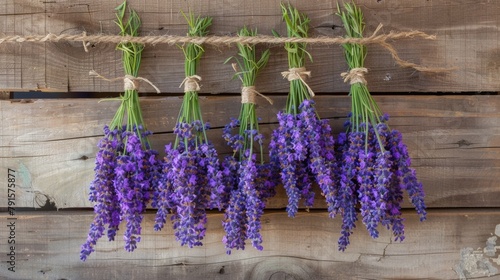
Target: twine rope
[[216, 40], [355, 75], [129, 82], [249, 94], [85, 44], [298, 74], [191, 83], [229, 40]]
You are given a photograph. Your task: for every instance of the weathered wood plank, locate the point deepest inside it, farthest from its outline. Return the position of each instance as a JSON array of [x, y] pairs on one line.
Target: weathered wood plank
[[453, 140], [466, 32], [47, 247]]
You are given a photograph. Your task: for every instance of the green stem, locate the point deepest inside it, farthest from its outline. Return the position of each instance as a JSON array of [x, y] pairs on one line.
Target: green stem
[[190, 110], [364, 107], [131, 57], [297, 26], [249, 69]]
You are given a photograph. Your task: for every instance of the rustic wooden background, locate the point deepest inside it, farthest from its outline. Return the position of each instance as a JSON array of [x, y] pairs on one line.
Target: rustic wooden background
[[450, 122]]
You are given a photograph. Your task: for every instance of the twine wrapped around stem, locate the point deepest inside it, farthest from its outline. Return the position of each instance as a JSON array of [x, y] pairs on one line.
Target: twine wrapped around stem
[[191, 83], [298, 74], [355, 75], [249, 94], [129, 82]]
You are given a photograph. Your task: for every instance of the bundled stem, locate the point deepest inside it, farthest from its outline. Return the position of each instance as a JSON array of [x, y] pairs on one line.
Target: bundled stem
[[249, 69], [297, 26], [301, 148], [248, 183], [191, 172], [190, 109], [131, 57], [364, 108], [126, 166], [374, 164]]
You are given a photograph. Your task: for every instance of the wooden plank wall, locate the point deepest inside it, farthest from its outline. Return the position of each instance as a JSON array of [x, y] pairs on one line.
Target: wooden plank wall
[[301, 248], [453, 141], [466, 30], [450, 123]]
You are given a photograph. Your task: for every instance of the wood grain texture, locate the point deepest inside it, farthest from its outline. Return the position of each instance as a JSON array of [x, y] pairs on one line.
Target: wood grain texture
[[48, 245], [467, 33], [454, 142]]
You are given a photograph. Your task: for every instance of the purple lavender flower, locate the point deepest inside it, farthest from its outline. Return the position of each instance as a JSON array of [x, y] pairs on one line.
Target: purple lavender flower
[[347, 198], [247, 200], [191, 178], [235, 141], [235, 220], [375, 176], [376, 168], [188, 215], [283, 156], [135, 172], [126, 165], [408, 179], [267, 181], [372, 180], [302, 148], [367, 192], [404, 178], [162, 198], [254, 204], [212, 175], [382, 177], [321, 152], [102, 192], [248, 184], [125, 172], [393, 219], [230, 177]]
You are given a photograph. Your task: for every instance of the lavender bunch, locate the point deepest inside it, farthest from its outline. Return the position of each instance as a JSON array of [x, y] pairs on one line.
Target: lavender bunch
[[373, 160], [125, 169], [191, 172], [302, 147], [248, 179]]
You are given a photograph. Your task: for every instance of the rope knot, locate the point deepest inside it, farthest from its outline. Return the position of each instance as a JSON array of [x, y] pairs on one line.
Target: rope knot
[[355, 75], [296, 74], [299, 73], [191, 83], [129, 82]]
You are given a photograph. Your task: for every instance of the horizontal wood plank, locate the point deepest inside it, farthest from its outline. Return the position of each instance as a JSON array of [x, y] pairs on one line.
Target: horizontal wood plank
[[454, 142], [48, 245], [466, 32]]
